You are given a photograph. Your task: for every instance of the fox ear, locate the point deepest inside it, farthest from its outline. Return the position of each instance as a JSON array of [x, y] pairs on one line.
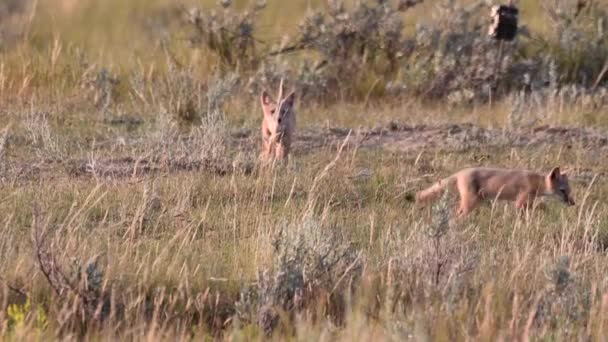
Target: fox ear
[[290, 99], [555, 173], [265, 99]]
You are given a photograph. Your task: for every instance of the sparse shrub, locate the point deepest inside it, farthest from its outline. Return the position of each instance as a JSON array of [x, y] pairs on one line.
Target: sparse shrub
[[577, 41], [362, 52], [358, 46], [529, 107], [90, 302], [309, 81], [191, 130], [311, 266], [434, 259], [267, 76], [313, 84], [180, 95], [211, 137], [566, 300], [227, 34], [360, 37], [544, 103], [453, 56]]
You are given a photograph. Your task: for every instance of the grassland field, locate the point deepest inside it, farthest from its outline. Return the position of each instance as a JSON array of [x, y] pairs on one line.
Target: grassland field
[[118, 224]]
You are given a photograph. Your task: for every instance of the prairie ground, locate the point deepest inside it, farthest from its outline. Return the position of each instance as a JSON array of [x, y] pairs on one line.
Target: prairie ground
[[132, 209]]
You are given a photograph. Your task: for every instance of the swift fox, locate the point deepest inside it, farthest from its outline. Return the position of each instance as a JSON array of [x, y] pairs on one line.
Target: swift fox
[[479, 183], [278, 125]]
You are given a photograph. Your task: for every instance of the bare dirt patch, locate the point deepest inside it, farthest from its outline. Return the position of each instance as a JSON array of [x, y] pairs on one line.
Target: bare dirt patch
[[454, 137], [393, 137]]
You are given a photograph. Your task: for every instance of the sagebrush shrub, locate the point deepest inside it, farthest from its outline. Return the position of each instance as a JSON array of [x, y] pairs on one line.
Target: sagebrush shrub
[[309, 261], [227, 34], [361, 51], [577, 41]]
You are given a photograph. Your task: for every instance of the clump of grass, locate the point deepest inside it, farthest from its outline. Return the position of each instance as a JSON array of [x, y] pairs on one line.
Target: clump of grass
[[42, 136], [102, 86], [555, 103], [189, 107]]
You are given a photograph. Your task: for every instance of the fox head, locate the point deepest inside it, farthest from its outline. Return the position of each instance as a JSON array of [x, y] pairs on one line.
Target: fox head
[[557, 183], [279, 116]]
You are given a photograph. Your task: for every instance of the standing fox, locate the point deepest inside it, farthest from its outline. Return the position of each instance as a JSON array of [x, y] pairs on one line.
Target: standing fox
[[278, 125], [521, 186]]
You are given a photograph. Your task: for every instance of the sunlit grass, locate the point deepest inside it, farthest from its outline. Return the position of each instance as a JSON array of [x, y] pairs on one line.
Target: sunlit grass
[[181, 237]]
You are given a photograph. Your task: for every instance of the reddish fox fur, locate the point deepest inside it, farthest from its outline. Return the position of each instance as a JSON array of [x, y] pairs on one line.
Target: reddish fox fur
[[479, 183], [278, 125]]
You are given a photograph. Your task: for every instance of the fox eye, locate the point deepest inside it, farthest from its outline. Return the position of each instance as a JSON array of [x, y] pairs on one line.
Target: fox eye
[[272, 111], [279, 120]]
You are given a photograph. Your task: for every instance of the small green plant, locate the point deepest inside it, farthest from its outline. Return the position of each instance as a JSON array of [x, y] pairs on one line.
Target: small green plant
[[18, 314], [436, 232]]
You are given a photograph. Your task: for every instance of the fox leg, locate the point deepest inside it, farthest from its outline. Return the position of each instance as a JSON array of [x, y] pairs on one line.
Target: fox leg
[[266, 150], [282, 151], [524, 202], [467, 204], [469, 197]]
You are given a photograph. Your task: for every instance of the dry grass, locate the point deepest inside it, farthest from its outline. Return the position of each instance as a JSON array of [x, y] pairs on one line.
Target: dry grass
[[132, 205]]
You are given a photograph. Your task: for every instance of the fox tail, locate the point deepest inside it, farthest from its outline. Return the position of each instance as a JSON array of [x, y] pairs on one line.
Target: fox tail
[[435, 189]]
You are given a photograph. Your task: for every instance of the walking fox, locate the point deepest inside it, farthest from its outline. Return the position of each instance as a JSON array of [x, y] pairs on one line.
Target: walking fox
[[479, 183], [278, 125]]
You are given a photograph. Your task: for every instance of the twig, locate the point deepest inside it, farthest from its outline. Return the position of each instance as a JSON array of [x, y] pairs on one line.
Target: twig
[[348, 269], [287, 49], [50, 268], [47, 262], [600, 76]]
